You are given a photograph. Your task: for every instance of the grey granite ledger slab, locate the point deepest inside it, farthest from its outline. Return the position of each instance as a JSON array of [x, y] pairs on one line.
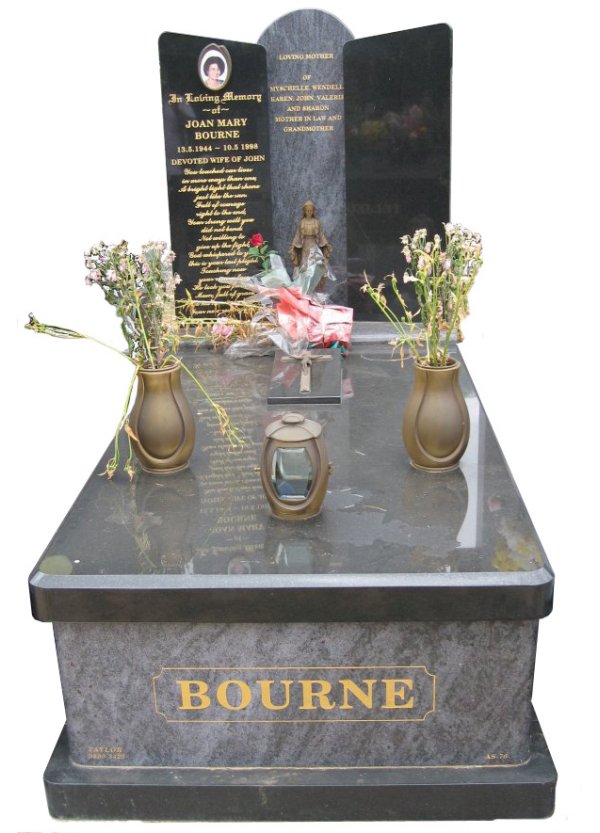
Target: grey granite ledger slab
[[306, 114], [391, 543]]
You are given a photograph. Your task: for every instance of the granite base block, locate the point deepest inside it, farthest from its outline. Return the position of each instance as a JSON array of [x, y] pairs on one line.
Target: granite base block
[[305, 695], [343, 794], [376, 662]]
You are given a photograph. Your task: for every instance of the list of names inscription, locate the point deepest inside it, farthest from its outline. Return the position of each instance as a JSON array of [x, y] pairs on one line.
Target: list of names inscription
[[306, 107]]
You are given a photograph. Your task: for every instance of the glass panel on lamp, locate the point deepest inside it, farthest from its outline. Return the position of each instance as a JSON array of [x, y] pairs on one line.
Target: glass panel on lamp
[[292, 473]]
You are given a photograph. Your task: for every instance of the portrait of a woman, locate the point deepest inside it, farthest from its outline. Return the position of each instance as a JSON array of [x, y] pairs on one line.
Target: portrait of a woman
[[213, 70], [214, 66]]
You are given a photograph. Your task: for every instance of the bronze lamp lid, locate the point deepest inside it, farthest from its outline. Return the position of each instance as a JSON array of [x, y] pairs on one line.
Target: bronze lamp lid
[[293, 428]]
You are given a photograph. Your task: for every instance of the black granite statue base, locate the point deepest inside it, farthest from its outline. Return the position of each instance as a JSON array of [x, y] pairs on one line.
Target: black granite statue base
[[331, 794]]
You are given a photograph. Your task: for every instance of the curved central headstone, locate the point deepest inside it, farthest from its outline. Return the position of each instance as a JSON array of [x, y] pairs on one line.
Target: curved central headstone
[[306, 113]]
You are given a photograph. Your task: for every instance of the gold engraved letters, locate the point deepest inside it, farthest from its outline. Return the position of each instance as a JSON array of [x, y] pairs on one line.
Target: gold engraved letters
[[218, 172], [307, 106], [295, 694]]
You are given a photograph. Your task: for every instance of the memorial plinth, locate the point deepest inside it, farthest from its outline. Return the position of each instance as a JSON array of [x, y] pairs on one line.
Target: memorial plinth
[[375, 662]]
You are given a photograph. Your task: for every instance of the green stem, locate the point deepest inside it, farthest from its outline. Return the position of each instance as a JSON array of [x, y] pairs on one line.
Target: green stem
[[143, 329], [426, 331], [63, 332], [227, 428], [393, 319], [389, 314], [433, 315], [197, 382], [114, 349], [457, 307], [113, 463]]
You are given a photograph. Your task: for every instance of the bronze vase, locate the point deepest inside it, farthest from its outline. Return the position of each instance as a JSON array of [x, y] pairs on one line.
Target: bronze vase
[[162, 421], [436, 420]]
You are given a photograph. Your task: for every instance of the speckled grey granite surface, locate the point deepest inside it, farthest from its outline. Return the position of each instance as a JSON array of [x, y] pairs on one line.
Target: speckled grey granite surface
[[123, 700], [308, 156]]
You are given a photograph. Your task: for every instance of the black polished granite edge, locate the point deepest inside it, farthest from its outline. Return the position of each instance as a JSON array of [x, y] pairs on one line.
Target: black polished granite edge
[[328, 794], [292, 598], [390, 544]]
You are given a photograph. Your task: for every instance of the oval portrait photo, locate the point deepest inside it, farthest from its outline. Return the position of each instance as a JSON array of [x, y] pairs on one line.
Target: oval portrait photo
[[214, 66]]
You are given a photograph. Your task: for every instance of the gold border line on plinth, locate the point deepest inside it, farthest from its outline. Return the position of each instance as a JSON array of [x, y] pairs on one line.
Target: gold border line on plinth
[[275, 720]]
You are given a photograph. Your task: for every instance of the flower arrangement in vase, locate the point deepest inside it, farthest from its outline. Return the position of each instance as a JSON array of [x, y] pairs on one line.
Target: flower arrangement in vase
[[436, 419], [141, 288]]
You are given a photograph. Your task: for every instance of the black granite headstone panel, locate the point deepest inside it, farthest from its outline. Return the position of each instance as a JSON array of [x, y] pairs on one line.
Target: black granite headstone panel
[[306, 92], [397, 119], [216, 142]]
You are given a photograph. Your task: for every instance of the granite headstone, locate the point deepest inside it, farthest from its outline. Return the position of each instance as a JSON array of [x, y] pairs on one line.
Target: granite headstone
[[306, 95], [397, 117], [360, 128], [216, 141]]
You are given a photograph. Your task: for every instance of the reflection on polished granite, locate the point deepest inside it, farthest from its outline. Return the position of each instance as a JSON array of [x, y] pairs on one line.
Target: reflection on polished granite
[[385, 528], [394, 635]]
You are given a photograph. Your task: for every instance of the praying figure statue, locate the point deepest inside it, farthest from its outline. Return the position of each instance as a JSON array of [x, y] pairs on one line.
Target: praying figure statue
[[309, 234]]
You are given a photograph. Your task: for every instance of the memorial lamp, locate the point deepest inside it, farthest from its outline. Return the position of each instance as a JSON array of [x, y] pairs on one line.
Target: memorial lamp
[[294, 467]]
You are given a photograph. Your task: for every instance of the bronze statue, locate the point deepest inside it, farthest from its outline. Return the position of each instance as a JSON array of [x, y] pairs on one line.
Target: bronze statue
[[309, 234]]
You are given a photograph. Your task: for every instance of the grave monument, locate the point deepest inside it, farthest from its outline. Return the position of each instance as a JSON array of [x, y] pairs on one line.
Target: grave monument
[[361, 128], [374, 662]]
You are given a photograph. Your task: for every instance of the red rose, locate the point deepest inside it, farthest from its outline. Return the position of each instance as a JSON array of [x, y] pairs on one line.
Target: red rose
[[256, 240]]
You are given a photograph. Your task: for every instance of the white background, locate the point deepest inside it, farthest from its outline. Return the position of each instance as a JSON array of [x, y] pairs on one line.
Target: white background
[[84, 160]]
